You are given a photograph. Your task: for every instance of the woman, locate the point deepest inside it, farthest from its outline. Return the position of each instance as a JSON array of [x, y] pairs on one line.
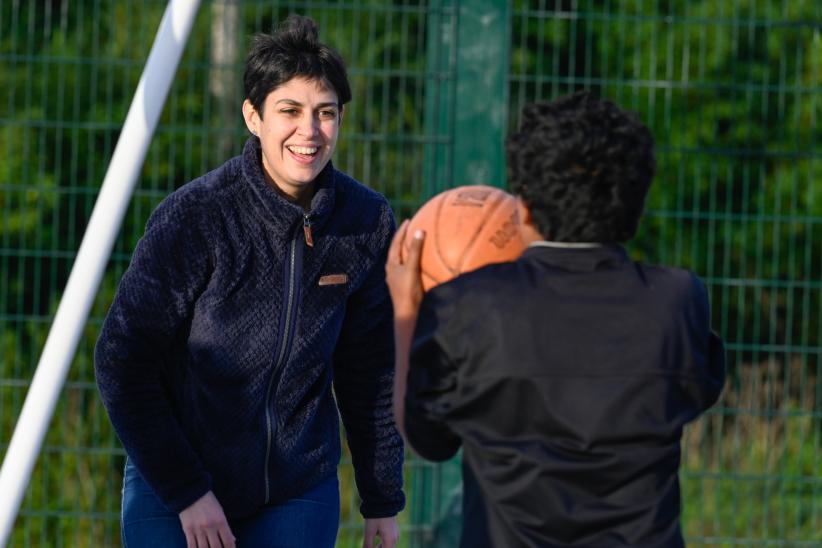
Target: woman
[[253, 288]]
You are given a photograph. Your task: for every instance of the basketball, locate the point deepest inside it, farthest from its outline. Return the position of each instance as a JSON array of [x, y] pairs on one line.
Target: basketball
[[465, 228]]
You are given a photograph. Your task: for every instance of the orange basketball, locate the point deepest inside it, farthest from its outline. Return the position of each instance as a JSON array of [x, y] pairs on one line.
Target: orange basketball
[[465, 228]]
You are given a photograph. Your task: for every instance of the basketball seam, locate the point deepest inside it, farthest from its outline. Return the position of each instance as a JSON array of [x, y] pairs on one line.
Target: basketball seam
[[437, 217]]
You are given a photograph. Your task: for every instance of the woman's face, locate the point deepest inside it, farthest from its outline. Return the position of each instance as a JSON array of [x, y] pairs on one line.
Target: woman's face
[[298, 131]]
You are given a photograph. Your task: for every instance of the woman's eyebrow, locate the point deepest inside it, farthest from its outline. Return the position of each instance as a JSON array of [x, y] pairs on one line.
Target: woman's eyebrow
[[296, 103]]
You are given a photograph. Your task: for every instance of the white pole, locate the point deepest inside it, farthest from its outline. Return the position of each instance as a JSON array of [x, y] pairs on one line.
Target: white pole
[[92, 257]]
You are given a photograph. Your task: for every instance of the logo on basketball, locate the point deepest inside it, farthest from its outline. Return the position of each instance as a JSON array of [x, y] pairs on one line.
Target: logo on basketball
[[503, 236], [471, 197]]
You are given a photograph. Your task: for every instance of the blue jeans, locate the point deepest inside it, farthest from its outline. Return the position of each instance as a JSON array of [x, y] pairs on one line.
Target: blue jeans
[[311, 519]]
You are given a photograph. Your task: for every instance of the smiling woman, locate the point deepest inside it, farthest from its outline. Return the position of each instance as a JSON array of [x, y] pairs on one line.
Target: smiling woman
[[256, 290], [298, 126]]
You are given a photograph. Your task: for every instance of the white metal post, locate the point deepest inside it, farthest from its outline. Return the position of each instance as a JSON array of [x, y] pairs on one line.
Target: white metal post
[[92, 257]]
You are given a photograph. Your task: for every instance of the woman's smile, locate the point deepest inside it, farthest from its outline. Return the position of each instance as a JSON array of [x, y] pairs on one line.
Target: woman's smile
[[298, 129]]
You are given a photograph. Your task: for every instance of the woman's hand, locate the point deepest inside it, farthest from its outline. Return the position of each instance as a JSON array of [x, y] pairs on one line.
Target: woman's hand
[[205, 524], [384, 528]]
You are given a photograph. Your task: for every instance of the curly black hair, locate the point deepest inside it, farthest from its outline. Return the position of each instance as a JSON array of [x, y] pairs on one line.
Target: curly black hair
[[583, 167], [293, 51]]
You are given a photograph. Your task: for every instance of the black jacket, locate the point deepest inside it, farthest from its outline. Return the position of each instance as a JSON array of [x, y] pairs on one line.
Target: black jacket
[[566, 377], [217, 356]]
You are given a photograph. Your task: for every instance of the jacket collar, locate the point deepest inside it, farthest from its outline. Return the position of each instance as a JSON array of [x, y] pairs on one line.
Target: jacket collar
[[271, 207], [578, 259]]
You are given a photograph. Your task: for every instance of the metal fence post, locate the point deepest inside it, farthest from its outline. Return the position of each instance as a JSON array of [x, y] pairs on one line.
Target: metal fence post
[[467, 92], [466, 116]]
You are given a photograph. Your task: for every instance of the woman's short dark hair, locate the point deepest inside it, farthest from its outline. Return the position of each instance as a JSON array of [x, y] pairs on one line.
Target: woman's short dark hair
[[583, 167], [292, 51]]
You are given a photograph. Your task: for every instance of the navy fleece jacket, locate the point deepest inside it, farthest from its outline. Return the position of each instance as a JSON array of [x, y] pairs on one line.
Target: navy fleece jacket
[[217, 359]]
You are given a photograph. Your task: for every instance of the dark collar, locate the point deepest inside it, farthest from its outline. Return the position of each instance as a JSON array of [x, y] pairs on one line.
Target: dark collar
[[273, 208], [579, 260]]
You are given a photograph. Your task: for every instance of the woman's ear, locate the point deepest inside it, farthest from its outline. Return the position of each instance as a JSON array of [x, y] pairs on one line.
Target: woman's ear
[[251, 117], [342, 111]]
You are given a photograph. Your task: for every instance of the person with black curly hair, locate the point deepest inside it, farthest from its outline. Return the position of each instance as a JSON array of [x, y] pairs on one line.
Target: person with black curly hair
[[567, 375], [254, 314]]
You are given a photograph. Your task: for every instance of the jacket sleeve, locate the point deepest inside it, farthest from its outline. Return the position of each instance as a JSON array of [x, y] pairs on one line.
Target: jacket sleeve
[[432, 382], [150, 311], [709, 350], [363, 382]]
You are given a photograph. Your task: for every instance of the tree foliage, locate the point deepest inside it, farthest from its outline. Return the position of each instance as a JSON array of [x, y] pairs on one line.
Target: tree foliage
[[731, 91]]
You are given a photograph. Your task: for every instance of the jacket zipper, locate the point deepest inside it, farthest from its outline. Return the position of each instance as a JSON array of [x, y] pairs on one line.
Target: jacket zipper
[[309, 239], [289, 319]]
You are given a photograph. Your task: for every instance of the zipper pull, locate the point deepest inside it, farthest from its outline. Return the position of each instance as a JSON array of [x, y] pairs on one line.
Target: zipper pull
[[309, 240]]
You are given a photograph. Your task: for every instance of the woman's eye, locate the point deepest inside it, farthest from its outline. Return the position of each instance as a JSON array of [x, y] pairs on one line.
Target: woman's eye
[[289, 111], [328, 114]]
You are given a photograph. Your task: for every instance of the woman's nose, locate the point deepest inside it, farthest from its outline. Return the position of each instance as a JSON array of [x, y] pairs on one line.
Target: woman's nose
[[308, 125]]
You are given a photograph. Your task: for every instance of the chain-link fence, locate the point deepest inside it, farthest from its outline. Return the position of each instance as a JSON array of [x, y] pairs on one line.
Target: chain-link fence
[[732, 91]]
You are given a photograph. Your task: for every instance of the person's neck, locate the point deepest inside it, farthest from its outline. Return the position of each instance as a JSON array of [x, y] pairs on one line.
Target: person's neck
[[530, 234], [300, 196]]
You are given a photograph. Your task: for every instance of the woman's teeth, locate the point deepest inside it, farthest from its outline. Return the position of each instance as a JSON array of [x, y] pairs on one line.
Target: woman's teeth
[[308, 151]]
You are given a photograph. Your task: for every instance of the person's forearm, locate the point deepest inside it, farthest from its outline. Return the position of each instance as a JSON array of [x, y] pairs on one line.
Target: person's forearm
[[405, 285], [403, 334]]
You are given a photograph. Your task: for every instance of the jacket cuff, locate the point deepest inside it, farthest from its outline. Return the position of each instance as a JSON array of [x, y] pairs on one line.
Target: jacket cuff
[[183, 496], [374, 510]]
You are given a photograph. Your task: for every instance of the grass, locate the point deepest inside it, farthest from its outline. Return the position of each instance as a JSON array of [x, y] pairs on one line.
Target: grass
[[751, 470]]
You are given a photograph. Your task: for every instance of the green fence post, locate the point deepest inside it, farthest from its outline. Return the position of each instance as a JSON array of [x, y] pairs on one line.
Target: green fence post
[[467, 92], [481, 99], [466, 118]]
